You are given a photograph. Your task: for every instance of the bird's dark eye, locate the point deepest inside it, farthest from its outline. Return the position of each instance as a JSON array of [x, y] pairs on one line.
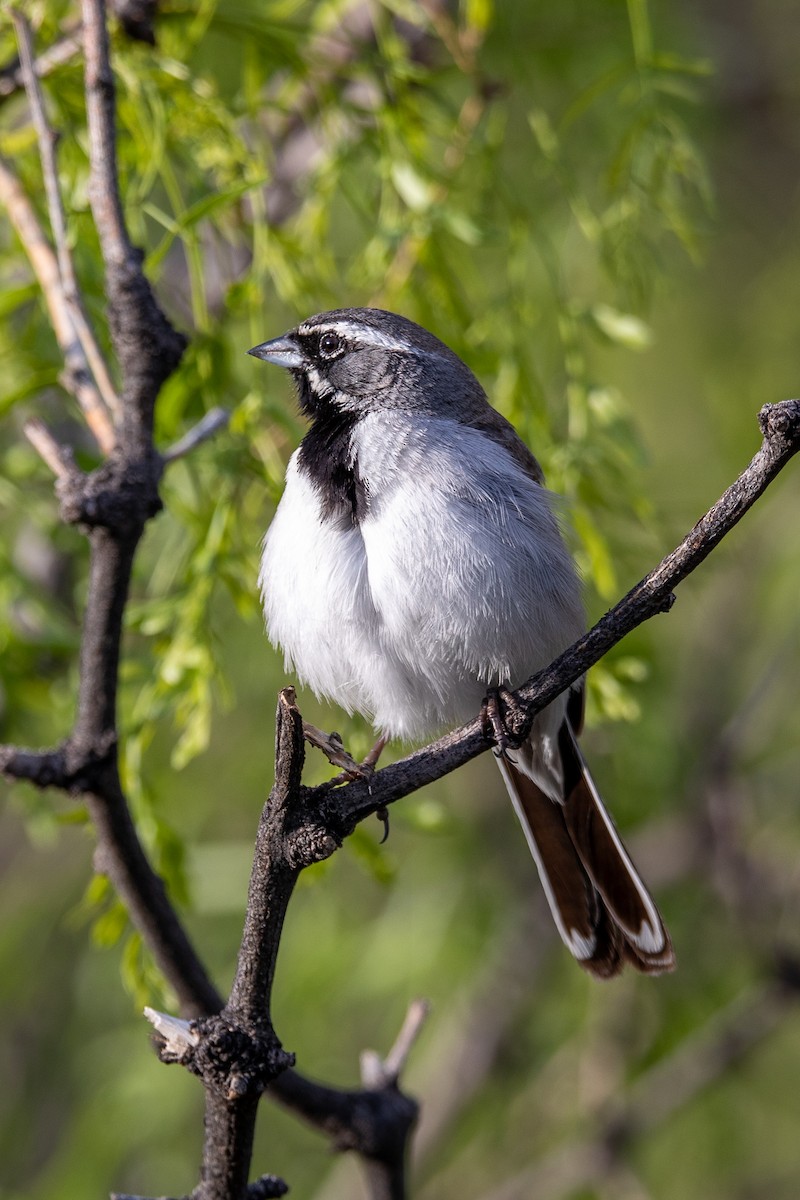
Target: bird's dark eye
[[330, 344]]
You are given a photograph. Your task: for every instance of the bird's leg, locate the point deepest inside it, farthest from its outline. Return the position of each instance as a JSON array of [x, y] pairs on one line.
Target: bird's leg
[[498, 710], [371, 761]]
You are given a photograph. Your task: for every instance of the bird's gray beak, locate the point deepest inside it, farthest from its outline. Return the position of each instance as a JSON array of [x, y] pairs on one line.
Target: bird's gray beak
[[281, 351]]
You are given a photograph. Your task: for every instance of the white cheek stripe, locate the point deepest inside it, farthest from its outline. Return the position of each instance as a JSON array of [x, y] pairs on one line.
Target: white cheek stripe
[[319, 386]]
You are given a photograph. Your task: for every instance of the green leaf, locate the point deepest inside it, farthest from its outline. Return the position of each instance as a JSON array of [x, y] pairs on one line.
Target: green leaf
[[187, 220], [623, 328], [479, 14], [596, 552], [412, 188]]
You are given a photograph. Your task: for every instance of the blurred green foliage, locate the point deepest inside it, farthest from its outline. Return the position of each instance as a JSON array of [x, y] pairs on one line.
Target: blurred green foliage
[[534, 184]]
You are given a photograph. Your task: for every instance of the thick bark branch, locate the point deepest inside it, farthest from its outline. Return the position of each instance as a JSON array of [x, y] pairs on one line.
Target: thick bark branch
[[231, 1110], [147, 346], [274, 872]]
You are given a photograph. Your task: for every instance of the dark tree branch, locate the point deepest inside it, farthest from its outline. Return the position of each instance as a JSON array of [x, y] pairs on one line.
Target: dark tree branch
[[231, 1110], [112, 505], [276, 866], [148, 348], [42, 768], [376, 1124], [104, 192], [121, 857]]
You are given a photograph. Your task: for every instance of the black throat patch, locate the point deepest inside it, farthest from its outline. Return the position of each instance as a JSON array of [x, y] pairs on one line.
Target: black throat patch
[[325, 457]]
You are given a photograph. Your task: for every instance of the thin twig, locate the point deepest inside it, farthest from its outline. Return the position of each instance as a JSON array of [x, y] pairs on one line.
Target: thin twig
[[11, 77], [77, 378], [395, 1061], [48, 141], [59, 458], [214, 420]]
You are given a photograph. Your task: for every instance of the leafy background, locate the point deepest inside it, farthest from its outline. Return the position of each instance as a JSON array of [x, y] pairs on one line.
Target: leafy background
[[597, 206]]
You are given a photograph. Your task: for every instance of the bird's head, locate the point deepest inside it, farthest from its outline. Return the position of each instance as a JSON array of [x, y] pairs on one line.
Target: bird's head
[[354, 360]]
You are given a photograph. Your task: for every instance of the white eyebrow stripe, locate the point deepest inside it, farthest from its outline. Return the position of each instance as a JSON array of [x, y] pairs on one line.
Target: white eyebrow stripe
[[366, 335]]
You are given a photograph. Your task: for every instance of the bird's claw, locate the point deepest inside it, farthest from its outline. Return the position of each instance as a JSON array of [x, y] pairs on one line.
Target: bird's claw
[[499, 708]]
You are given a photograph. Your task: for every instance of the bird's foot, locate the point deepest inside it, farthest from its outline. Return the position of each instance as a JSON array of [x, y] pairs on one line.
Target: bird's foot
[[332, 747], [499, 714]]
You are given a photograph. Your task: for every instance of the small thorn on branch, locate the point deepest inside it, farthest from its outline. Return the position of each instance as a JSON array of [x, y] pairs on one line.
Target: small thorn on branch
[[214, 420]]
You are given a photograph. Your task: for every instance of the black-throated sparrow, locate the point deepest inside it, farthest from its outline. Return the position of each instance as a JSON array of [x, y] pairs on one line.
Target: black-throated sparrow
[[414, 561]]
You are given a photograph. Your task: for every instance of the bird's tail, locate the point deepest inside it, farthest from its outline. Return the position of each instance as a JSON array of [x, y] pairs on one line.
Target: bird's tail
[[601, 907]]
